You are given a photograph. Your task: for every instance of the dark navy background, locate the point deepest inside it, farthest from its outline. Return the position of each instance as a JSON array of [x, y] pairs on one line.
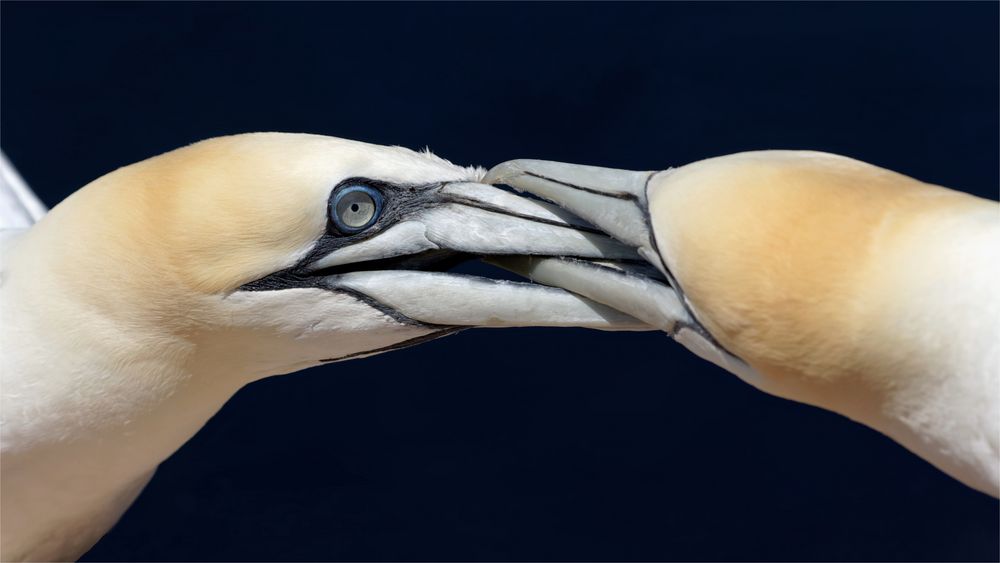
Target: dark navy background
[[524, 444]]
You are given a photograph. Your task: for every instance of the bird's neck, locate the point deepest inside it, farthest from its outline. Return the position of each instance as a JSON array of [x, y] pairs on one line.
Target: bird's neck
[[83, 354], [92, 396], [937, 360], [921, 360]]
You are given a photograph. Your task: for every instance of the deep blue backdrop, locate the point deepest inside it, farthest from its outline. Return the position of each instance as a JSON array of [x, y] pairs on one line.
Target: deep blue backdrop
[[524, 444]]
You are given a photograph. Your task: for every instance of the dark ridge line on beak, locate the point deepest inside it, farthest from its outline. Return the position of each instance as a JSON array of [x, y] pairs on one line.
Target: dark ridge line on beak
[[400, 345], [698, 326], [431, 260], [667, 282], [615, 195], [592, 264], [499, 210], [382, 307]]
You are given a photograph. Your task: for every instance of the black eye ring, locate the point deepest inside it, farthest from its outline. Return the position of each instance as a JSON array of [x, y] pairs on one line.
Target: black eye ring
[[355, 207]]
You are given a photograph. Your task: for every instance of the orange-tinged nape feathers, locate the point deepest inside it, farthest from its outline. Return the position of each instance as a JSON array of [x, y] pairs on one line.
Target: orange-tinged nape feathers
[[784, 256]]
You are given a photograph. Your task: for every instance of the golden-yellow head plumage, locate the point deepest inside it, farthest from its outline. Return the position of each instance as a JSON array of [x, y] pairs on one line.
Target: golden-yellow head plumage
[[786, 255]]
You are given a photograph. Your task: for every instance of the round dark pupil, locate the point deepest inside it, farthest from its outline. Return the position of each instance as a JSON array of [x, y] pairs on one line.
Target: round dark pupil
[[355, 207]]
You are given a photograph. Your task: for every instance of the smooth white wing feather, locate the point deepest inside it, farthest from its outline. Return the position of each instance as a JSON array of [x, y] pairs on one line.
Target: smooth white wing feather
[[19, 206]]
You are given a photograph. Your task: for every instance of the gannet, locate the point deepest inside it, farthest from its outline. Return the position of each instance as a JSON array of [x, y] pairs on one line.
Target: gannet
[[135, 308], [812, 276]]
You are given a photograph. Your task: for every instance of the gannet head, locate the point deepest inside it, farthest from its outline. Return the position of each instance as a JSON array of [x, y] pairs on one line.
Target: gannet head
[[271, 252], [812, 276], [774, 258]]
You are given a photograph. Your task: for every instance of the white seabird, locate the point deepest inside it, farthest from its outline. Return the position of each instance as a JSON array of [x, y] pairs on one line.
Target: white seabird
[[813, 277], [134, 309]]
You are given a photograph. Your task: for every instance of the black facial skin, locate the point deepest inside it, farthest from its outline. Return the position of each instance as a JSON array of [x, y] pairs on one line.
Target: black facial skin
[[399, 203]]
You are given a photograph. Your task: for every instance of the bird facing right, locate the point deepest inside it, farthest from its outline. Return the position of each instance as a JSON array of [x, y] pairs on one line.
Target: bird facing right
[[812, 276]]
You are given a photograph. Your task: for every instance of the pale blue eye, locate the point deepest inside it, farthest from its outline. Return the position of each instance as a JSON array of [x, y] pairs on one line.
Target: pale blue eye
[[355, 207]]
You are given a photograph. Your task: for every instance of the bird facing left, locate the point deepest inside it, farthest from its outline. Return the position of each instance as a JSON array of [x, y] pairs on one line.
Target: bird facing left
[[140, 304]]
